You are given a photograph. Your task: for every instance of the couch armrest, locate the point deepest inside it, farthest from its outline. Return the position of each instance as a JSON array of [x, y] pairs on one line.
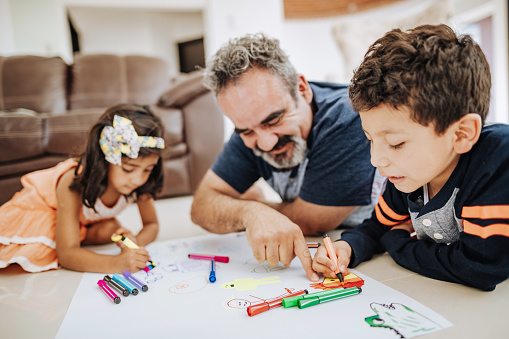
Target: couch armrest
[[203, 122], [204, 133]]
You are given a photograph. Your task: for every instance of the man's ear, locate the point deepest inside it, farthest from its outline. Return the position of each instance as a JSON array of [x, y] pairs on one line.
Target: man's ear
[[304, 88], [467, 132]]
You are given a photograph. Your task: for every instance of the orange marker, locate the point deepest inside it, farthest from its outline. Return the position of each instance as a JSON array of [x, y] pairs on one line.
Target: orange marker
[[332, 254]]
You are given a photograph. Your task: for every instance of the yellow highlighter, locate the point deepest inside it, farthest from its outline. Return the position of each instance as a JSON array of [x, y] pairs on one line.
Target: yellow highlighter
[[129, 243]]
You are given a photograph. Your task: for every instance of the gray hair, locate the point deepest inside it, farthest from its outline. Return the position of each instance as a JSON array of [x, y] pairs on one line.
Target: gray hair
[[239, 55]]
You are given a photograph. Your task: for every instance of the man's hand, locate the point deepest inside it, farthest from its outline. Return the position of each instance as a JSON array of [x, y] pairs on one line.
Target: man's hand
[[274, 238]]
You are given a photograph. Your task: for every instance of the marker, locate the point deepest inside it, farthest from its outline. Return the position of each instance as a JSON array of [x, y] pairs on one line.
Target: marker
[[332, 254], [347, 292], [125, 292], [212, 276], [292, 301], [132, 278], [129, 243], [115, 298], [217, 258], [118, 278], [267, 305], [313, 244]]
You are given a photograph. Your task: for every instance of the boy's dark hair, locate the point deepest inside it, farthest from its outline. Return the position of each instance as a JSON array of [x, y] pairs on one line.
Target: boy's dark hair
[[92, 170], [439, 76]]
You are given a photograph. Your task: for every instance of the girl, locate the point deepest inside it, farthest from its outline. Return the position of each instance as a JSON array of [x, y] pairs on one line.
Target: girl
[[75, 202]]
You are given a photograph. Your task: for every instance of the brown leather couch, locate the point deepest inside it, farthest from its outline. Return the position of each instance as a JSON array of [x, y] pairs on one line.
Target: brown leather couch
[[47, 107]]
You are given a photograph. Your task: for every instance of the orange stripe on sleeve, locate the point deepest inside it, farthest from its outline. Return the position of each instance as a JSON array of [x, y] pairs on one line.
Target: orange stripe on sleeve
[[485, 231], [383, 219], [486, 212], [388, 211]]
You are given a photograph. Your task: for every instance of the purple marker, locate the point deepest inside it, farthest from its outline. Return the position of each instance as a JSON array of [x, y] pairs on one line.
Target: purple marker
[[135, 281]]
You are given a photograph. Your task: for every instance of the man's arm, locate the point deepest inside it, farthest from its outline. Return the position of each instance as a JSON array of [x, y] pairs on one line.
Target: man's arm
[[313, 219], [273, 237]]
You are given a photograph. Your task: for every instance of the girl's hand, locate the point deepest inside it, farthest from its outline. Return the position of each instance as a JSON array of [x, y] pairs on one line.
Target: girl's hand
[[322, 263], [126, 233], [133, 260]]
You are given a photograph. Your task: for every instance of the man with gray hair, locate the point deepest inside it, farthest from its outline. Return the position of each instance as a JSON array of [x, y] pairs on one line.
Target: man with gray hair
[[302, 138]]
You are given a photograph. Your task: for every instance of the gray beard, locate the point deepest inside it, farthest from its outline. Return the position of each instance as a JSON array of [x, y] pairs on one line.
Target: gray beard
[[298, 155]]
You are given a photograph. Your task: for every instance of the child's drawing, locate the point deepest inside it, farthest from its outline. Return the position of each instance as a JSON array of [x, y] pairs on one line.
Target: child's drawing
[[351, 280], [404, 321], [242, 304], [189, 286], [263, 267], [187, 265], [250, 283]]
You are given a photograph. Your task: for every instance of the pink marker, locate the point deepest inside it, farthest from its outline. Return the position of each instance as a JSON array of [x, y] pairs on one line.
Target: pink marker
[[217, 258], [115, 298]]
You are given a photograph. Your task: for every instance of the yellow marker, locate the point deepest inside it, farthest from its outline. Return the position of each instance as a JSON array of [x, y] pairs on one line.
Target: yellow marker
[[128, 242]]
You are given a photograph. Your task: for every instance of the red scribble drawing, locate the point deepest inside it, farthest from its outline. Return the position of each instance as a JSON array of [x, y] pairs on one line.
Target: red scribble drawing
[[189, 286], [242, 304], [351, 280]]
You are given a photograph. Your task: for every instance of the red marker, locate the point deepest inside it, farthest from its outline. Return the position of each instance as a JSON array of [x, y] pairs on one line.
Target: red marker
[[267, 305], [217, 258], [332, 255]]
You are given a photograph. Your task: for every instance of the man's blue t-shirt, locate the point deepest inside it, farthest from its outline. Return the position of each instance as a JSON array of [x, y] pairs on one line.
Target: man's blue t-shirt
[[337, 169]]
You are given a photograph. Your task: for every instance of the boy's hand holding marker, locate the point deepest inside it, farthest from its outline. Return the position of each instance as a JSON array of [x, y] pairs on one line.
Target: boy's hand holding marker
[[324, 262]]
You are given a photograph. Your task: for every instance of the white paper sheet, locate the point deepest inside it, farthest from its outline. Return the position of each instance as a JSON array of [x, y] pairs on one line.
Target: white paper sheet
[[182, 303]]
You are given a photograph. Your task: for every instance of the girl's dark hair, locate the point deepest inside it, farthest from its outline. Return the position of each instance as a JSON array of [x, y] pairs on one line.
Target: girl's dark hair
[[438, 75], [92, 170]]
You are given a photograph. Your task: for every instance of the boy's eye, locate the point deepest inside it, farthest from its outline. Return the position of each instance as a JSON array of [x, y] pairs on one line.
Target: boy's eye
[[126, 170]]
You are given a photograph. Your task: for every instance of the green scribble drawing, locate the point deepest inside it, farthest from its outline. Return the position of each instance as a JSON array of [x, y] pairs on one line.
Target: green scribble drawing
[[404, 321], [250, 283]]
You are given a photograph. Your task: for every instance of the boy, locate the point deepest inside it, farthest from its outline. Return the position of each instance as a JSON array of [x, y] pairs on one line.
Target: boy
[[423, 96]]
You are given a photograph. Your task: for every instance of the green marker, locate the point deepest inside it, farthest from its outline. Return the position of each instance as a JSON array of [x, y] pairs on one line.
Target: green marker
[[292, 301], [303, 303]]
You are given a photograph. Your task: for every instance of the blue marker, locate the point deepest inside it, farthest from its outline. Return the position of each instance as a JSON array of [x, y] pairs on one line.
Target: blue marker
[[118, 278], [135, 281], [212, 277]]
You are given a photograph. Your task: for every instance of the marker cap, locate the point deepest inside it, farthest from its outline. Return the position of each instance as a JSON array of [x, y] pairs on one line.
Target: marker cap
[[257, 309]]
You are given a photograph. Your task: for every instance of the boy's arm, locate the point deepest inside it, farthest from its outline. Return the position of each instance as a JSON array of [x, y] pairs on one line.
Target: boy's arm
[[472, 261], [365, 238]]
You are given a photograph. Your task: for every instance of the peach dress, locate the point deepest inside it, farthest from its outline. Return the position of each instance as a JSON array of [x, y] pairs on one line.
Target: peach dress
[[28, 220]]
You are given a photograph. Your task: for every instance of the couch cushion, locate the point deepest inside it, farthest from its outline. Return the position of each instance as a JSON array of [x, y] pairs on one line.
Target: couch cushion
[[68, 133], [183, 91], [33, 82], [103, 80], [21, 135]]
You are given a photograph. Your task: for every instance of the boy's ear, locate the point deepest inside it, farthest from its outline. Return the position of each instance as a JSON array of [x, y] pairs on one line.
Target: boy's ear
[[467, 132]]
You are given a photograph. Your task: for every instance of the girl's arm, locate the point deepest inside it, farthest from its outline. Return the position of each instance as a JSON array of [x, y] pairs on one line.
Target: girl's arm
[[149, 219], [69, 251]]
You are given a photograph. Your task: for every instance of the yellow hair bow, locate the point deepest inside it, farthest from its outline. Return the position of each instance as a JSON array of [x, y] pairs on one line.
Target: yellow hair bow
[[121, 138]]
